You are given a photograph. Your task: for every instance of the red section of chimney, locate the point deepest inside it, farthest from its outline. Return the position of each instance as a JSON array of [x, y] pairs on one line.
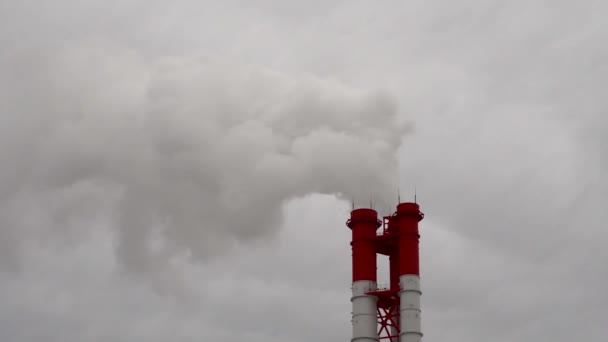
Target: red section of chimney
[[408, 216], [394, 270], [364, 223], [393, 256]]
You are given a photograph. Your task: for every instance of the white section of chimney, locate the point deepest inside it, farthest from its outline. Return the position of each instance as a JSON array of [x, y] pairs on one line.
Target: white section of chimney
[[365, 320], [411, 330]]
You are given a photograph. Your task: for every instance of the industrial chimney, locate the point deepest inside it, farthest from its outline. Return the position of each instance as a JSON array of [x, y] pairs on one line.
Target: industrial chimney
[[364, 223], [393, 312]]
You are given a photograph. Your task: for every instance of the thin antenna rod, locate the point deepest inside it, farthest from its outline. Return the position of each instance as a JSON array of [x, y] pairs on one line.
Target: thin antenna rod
[[415, 201], [353, 202], [398, 196]]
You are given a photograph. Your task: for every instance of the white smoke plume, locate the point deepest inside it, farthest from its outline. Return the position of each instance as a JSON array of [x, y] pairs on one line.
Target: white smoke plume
[[178, 155]]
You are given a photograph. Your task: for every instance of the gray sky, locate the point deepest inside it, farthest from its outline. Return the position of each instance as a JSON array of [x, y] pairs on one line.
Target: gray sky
[[183, 171]]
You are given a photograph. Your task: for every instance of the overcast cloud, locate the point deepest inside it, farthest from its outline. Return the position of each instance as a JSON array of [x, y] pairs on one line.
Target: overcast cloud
[[183, 171]]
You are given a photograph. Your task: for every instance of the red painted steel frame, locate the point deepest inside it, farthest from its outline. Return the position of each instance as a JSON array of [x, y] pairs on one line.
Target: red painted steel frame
[[388, 314], [388, 320]]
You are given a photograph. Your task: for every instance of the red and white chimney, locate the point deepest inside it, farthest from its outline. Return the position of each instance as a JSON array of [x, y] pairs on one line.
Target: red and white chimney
[[408, 215], [391, 312], [364, 223]]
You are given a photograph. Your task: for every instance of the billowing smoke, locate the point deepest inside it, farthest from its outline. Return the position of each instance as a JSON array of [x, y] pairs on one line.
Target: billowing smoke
[[178, 155]]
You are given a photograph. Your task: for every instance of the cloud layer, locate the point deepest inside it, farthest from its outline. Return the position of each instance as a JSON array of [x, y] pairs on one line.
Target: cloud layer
[[509, 157]]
